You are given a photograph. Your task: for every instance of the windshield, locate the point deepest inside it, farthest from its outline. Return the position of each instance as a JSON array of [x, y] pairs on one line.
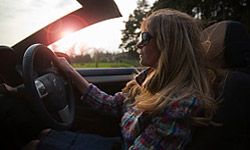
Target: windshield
[[21, 18]]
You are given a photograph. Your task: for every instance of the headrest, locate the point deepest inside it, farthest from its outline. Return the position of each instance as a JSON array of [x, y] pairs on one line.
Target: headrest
[[237, 45], [8, 56], [229, 44]]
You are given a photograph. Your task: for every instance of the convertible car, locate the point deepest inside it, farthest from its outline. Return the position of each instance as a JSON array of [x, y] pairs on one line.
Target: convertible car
[[45, 98]]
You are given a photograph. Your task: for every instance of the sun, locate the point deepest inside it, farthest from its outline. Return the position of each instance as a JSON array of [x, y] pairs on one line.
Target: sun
[[66, 43], [66, 33], [97, 36]]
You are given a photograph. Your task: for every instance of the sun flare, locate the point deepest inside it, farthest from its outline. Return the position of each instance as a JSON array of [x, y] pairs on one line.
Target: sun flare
[[66, 33]]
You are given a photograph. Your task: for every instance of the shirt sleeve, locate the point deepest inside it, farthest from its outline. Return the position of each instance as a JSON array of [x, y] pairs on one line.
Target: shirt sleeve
[[169, 131], [100, 100]]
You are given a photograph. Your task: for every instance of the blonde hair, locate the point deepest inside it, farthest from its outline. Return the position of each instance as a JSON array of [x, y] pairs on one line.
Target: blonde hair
[[181, 71]]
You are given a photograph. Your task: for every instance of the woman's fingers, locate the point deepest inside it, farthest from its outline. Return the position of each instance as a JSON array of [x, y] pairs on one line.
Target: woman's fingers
[[5, 88]]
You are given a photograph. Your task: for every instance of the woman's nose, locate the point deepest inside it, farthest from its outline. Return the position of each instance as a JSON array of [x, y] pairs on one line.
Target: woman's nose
[[138, 51], [139, 45]]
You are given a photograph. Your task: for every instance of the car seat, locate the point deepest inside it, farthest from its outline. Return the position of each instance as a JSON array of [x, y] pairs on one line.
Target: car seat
[[233, 112], [8, 62]]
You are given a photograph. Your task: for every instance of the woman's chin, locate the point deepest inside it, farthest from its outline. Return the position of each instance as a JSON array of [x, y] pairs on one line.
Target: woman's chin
[[144, 64]]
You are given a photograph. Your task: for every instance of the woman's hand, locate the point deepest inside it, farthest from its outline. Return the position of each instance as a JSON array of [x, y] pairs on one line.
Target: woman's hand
[[6, 89], [70, 72], [64, 66]]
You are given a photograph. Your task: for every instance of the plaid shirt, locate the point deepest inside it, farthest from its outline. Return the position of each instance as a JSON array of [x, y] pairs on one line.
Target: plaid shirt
[[169, 130]]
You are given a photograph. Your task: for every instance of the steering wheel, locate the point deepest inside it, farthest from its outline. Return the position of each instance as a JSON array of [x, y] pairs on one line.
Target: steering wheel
[[50, 95]]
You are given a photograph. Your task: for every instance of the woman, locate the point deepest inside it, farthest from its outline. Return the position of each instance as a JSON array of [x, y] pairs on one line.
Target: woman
[[158, 107]]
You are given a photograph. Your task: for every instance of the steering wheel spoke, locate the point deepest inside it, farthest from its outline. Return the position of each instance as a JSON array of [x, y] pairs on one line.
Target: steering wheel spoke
[[64, 114]]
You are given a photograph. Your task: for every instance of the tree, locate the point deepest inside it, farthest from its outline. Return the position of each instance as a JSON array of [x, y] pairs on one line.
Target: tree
[[181, 5], [131, 32], [207, 11], [81, 58], [96, 57], [226, 10], [210, 11]]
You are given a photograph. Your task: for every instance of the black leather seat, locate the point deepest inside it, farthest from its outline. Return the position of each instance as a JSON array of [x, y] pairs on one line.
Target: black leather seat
[[15, 116], [8, 62], [233, 112]]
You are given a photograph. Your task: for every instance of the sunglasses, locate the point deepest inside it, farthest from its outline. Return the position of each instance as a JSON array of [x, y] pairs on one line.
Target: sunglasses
[[145, 38]]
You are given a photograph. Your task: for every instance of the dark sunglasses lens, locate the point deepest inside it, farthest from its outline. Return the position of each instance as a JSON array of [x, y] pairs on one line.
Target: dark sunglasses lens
[[145, 37]]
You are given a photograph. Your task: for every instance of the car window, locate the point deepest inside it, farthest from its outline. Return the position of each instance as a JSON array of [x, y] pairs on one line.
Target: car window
[[20, 19], [97, 46], [82, 47]]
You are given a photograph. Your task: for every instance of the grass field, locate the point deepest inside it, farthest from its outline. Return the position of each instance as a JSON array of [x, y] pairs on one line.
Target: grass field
[[105, 65]]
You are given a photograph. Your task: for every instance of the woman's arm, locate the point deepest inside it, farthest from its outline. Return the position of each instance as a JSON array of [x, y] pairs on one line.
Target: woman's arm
[[100, 100], [91, 94], [78, 81]]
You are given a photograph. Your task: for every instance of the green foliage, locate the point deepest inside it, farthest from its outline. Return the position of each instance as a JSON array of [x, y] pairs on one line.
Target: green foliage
[[131, 32], [182, 5], [106, 60], [207, 11], [106, 64], [210, 11]]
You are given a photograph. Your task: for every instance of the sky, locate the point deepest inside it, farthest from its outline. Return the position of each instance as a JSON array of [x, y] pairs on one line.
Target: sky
[[18, 19]]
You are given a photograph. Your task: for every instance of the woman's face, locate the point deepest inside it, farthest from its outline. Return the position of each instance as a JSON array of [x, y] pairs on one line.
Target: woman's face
[[149, 54]]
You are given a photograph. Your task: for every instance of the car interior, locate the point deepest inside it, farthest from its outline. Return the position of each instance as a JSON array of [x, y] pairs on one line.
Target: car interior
[[47, 99]]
